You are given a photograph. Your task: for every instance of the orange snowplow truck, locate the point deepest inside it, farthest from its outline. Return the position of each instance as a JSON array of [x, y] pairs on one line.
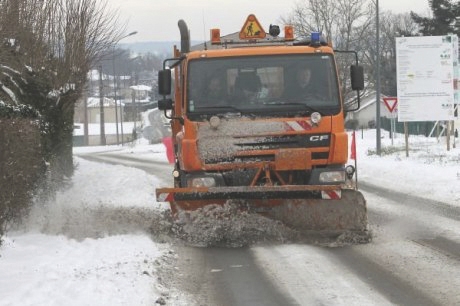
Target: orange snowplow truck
[[258, 119]]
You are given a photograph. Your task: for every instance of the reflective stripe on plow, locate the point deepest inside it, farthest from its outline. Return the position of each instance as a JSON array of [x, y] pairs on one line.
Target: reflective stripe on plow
[[331, 194], [301, 125], [165, 197]]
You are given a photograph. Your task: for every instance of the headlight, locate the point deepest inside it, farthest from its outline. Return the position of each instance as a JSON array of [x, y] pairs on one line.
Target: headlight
[[203, 182], [315, 118], [350, 171], [175, 173], [214, 122], [332, 177]]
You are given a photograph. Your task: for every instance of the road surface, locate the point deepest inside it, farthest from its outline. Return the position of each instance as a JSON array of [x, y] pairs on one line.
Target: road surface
[[413, 259]]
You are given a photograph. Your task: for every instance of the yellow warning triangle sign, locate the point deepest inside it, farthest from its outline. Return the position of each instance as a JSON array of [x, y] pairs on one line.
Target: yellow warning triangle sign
[[252, 29]]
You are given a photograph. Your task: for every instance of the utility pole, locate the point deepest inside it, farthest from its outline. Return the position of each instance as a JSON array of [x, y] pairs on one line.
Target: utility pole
[[133, 96], [115, 94], [377, 79], [134, 108], [85, 124], [101, 104], [115, 84], [121, 122]]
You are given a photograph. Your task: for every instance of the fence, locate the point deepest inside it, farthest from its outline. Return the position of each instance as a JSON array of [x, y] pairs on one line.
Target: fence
[[414, 128]]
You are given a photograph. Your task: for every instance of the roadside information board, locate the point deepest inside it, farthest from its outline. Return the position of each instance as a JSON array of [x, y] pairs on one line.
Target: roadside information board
[[426, 77]]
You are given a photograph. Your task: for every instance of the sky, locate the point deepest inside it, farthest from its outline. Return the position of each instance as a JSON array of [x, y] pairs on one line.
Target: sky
[[157, 20], [61, 256]]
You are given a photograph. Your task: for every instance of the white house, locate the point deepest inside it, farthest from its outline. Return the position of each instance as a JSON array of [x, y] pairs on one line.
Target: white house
[[366, 115], [111, 118]]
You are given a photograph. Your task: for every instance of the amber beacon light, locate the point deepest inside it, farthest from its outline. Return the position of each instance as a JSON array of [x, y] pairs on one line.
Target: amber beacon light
[[215, 36], [288, 32]]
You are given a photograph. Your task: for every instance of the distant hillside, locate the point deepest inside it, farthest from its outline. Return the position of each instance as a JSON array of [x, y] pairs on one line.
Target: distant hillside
[[163, 48]]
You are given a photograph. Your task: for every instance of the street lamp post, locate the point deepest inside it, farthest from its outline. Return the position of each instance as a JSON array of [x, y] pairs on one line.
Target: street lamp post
[[115, 92]]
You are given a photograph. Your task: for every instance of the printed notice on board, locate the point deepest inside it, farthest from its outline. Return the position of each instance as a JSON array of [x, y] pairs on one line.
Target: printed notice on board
[[425, 78]]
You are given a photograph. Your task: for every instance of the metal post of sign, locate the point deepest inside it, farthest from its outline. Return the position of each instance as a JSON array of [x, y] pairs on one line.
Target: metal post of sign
[[392, 128], [448, 135], [406, 137], [454, 131]]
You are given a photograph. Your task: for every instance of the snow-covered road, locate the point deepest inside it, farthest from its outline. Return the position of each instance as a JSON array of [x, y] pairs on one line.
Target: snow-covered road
[[105, 239], [414, 259]]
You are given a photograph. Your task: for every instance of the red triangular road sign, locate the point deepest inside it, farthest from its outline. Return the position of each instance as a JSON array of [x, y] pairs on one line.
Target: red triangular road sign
[[390, 103]]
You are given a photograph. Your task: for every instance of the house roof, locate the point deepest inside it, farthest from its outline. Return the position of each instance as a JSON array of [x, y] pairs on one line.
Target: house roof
[[234, 38], [141, 87], [208, 46], [369, 100], [95, 102]]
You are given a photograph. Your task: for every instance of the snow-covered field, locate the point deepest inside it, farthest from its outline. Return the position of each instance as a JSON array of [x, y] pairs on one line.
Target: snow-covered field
[[84, 249]]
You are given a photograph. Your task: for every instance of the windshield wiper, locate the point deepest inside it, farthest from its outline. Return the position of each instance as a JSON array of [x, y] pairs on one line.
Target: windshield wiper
[[303, 105], [219, 107]]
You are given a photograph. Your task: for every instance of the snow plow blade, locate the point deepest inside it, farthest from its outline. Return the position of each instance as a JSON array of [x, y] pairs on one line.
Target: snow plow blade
[[303, 207]]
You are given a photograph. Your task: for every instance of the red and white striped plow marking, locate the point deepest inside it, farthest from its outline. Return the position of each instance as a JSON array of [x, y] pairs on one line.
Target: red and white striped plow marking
[[165, 197], [331, 194], [298, 125]]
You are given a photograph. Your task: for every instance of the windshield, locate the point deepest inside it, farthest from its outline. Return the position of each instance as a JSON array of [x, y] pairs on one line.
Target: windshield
[[271, 85]]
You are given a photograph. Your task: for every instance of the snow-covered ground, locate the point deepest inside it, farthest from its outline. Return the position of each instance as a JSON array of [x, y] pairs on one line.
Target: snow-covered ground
[[430, 170], [64, 258]]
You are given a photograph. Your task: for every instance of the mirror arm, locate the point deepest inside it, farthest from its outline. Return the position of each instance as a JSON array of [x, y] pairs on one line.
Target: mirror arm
[[358, 96]]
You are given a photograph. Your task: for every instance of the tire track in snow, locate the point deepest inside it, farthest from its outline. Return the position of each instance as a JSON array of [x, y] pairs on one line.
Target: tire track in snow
[[416, 202], [392, 269], [442, 245], [312, 276], [390, 219], [396, 289], [415, 241]]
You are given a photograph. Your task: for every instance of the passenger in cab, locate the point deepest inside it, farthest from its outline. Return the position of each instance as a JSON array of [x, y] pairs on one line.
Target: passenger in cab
[[215, 92]]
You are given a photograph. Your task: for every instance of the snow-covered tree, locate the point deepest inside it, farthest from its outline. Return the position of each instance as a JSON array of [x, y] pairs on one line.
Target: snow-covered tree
[[48, 48]]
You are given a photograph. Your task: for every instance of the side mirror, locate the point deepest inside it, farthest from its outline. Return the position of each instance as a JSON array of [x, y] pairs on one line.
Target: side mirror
[[164, 82], [357, 77], [165, 104]]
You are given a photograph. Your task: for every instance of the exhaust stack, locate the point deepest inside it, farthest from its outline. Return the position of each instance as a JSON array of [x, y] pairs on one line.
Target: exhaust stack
[[184, 37]]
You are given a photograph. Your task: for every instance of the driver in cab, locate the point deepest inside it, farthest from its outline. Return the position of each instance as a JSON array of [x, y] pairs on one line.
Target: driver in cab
[[301, 87]]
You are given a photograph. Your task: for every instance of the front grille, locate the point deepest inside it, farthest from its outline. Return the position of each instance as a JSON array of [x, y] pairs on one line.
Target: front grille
[[229, 148], [283, 142]]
